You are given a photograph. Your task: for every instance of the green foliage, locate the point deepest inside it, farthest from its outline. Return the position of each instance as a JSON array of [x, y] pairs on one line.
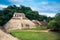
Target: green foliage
[[55, 24], [57, 17], [52, 24], [7, 13]]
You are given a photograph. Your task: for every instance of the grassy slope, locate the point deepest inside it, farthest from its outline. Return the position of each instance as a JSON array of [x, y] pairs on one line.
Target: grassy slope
[[26, 35]]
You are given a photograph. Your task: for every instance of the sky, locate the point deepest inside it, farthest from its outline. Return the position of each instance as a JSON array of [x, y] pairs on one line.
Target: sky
[[44, 7]]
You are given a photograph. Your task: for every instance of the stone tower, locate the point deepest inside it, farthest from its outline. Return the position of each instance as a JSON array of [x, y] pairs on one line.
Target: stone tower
[[19, 21]]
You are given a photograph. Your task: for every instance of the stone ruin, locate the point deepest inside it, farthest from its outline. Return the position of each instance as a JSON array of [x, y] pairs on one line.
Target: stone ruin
[[19, 21], [40, 23], [5, 36], [37, 23]]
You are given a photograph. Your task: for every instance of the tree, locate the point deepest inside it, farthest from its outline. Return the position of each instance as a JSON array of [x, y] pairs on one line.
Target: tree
[[52, 25], [55, 24], [7, 13], [57, 17]]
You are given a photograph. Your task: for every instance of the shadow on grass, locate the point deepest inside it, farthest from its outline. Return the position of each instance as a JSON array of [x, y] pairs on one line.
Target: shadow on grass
[[56, 33]]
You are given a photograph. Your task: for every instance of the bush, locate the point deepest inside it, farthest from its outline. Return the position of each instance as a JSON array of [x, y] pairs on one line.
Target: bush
[[52, 24], [55, 24]]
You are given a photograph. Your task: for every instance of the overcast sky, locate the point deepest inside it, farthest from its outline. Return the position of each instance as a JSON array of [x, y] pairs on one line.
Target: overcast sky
[[44, 7]]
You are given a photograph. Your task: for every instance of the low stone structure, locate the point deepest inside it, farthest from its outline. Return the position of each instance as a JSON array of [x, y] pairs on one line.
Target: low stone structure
[[19, 21], [5, 36], [37, 23], [40, 23]]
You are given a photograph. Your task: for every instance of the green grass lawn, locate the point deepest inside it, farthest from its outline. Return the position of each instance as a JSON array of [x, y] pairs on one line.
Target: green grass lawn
[[27, 35], [39, 28]]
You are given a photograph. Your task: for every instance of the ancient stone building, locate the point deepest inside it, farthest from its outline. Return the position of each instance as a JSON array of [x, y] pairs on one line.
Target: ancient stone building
[[19, 21], [37, 23], [40, 23]]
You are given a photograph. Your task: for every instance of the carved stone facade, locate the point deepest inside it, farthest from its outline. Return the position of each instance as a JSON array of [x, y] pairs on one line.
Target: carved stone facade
[[19, 21]]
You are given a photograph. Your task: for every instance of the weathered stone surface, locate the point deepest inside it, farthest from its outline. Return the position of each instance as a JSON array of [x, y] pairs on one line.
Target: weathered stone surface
[[40, 23], [37, 23], [19, 21], [5, 36]]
